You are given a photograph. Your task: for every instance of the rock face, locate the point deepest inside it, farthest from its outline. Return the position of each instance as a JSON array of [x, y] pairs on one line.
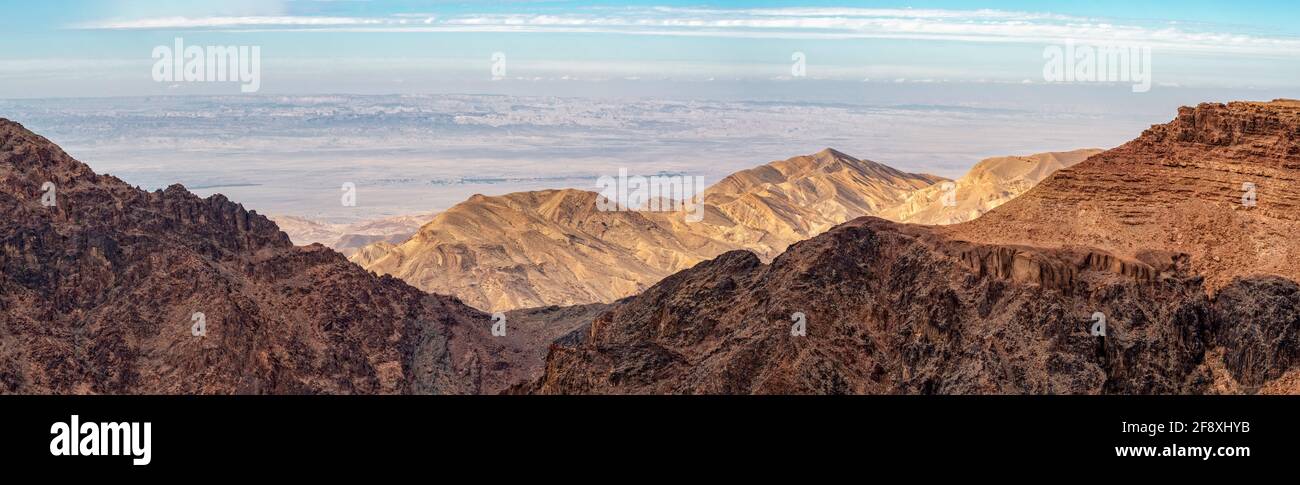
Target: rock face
[[1005, 303], [100, 288], [990, 183], [1178, 187], [553, 247]]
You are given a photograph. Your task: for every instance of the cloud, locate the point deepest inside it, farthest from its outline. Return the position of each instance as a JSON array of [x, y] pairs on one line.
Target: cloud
[[789, 23], [181, 23], [126, 9]]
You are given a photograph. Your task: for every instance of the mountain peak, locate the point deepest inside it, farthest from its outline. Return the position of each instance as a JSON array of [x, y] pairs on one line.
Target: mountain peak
[[831, 153], [820, 165]]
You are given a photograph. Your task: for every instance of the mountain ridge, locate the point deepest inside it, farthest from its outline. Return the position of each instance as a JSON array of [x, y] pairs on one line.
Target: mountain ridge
[[1008, 303], [989, 184], [550, 247]]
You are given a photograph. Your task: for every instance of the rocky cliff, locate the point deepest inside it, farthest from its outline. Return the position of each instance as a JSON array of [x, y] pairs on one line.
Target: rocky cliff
[[1220, 183]]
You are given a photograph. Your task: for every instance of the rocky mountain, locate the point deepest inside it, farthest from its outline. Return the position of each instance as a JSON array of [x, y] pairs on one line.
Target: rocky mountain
[[1220, 183], [1012, 302], [554, 247], [990, 183], [104, 286]]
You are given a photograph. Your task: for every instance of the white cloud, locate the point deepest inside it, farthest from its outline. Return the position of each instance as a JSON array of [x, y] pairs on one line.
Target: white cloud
[[227, 22], [790, 23]]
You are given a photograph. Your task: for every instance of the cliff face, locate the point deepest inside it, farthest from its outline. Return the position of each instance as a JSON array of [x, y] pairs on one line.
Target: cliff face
[[1178, 187], [99, 293], [1198, 293]]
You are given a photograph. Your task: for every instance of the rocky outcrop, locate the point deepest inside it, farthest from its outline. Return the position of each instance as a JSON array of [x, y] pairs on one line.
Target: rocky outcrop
[[1258, 326]]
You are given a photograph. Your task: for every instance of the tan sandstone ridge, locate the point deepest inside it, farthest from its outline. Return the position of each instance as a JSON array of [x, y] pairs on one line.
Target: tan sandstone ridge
[[990, 183], [554, 247], [1198, 292]]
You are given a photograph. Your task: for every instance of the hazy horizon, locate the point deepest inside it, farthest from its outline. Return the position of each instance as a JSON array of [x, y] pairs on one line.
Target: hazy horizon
[[414, 154]]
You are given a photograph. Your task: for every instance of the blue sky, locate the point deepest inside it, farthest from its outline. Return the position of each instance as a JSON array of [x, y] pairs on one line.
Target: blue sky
[[62, 48]]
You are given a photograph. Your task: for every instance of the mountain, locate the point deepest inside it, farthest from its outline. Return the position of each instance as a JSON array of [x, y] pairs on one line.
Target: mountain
[[1177, 187], [1006, 303], [553, 247], [990, 183], [791, 200], [102, 284], [530, 249], [349, 238]]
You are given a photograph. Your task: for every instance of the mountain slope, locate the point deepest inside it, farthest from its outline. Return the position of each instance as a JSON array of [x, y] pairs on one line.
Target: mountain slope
[[1177, 187], [990, 183], [99, 292], [530, 249], [1002, 304], [554, 247], [767, 208]]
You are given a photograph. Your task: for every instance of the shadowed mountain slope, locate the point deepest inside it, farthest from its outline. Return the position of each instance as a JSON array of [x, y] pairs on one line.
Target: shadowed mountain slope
[[101, 284]]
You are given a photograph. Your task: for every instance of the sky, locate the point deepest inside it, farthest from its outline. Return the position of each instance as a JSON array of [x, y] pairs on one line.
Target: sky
[[83, 48], [423, 103]]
